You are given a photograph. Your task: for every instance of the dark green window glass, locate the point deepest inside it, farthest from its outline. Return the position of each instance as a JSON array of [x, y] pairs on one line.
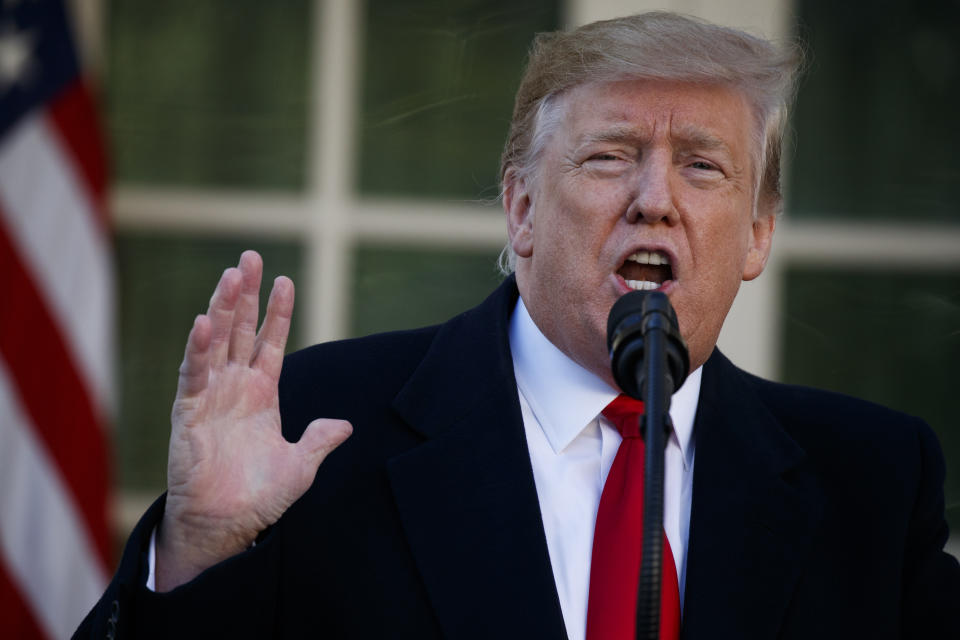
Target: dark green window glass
[[876, 119], [890, 337], [439, 79], [164, 282], [210, 93], [403, 288]]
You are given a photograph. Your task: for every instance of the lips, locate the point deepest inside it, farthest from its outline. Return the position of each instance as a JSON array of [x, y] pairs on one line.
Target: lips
[[646, 270]]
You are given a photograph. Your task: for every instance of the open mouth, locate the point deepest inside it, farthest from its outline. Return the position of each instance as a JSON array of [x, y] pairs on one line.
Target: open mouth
[[646, 270]]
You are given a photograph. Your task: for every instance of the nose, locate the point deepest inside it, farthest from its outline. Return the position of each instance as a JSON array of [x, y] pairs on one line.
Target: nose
[[653, 199]]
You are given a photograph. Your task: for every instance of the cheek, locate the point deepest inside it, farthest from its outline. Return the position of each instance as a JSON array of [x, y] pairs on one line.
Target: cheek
[[579, 222], [720, 256], [724, 239], [733, 256]]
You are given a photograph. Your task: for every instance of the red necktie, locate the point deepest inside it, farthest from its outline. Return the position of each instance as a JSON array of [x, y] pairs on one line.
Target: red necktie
[[615, 568]]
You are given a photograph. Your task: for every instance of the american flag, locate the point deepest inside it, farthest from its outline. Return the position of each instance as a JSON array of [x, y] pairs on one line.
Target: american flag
[[56, 330]]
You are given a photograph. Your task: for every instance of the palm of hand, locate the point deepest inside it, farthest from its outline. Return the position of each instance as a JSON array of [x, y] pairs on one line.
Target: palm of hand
[[230, 472], [229, 457]]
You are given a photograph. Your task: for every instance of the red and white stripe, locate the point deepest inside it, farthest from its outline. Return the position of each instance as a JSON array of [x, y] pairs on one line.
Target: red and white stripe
[[56, 358]]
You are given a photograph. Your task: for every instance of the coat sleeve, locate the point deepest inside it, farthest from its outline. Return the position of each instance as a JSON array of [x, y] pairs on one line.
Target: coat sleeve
[[931, 577], [235, 598]]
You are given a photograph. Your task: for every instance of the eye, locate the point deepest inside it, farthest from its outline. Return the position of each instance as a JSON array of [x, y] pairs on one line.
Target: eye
[[606, 163], [703, 165]]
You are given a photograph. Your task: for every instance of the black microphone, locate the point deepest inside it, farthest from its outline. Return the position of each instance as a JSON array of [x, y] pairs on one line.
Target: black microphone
[[650, 361], [635, 318]]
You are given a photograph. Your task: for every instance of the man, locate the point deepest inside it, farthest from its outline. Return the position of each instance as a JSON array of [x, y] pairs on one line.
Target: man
[[643, 153]]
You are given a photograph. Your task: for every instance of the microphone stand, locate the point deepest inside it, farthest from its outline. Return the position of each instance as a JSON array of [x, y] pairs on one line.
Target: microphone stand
[[656, 406], [649, 361]]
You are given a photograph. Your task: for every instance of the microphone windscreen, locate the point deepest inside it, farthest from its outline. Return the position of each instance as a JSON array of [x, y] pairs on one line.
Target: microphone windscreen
[[628, 306]]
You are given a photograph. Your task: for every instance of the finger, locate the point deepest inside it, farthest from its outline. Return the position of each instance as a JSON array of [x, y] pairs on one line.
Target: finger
[[245, 315], [272, 339], [221, 310], [195, 368], [320, 438]]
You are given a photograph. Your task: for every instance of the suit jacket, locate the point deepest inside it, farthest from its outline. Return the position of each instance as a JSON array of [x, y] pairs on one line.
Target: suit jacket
[[814, 515]]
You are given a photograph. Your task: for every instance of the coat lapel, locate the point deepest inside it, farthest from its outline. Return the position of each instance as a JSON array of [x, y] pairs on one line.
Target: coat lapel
[[755, 507], [466, 496]]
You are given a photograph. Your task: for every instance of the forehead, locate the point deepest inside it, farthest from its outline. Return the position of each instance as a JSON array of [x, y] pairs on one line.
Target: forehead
[[704, 115]]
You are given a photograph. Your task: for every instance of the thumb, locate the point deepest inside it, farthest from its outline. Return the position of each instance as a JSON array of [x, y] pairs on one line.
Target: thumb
[[321, 437]]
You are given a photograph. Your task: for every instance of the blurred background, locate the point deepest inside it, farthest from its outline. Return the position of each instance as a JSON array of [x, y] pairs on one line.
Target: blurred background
[[355, 145]]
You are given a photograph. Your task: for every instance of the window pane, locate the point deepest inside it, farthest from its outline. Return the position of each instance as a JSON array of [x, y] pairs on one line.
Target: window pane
[[403, 288], [210, 93], [889, 337], [876, 115], [164, 282], [438, 84]]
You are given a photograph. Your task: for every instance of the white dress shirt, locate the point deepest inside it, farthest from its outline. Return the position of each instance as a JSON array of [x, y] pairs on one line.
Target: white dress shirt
[[571, 450]]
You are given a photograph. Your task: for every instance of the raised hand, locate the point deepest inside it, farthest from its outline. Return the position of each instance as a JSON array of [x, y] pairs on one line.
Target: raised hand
[[230, 472]]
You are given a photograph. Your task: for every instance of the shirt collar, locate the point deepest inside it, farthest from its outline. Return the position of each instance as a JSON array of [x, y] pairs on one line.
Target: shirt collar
[[565, 398]]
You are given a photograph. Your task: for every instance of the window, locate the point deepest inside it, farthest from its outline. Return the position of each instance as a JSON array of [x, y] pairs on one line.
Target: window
[[355, 145]]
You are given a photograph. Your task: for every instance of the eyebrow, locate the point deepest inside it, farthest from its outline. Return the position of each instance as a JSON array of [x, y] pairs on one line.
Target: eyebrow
[[689, 137], [698, 138], [616, 134]]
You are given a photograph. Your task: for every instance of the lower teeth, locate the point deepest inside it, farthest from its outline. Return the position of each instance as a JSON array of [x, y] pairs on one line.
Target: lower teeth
[[642, 285]]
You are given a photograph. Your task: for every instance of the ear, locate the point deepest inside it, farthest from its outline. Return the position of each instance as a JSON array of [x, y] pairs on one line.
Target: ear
[[518, 206], [761, 239]]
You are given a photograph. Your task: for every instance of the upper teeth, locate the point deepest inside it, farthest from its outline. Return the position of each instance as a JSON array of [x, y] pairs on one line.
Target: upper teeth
[[649, 257]]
